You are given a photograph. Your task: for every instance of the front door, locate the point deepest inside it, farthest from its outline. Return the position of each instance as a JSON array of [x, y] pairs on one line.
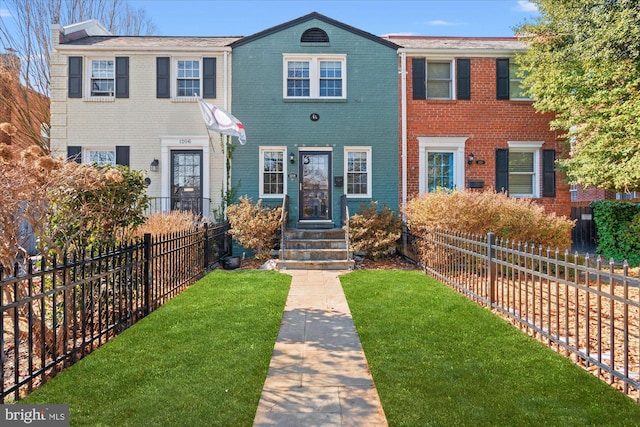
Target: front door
[[315, 188], [186, 180]]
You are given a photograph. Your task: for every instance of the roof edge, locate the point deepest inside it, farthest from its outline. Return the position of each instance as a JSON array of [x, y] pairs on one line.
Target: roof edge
[[309, 17]]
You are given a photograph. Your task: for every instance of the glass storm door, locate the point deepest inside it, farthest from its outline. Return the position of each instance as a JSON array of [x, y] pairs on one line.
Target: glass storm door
[[440, 171], [315, 189], [186, 180]]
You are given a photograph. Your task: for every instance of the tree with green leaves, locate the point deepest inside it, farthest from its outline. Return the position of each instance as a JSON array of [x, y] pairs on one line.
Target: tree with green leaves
[[584, 65], [25, 35]]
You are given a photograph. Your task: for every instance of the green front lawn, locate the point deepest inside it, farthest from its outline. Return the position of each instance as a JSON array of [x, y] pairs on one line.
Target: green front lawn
[[201, 359], [438, 359]]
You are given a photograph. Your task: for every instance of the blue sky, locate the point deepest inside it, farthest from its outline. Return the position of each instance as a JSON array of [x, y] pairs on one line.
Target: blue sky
[[379, 17]]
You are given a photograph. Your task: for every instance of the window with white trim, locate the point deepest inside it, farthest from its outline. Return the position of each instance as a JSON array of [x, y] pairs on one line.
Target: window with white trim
[[524, 169], [439, 80], [188, 77], [272, 171], [103, 81], [357, 171], [314, 77], [101, 157], [516, 88]]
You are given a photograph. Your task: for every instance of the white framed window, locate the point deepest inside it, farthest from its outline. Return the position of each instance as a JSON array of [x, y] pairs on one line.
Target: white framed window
[[315, 76], [102, 77], [273, 168], [357, 171], [101, 157], [442, 161], [573, 191], [188, 82], [439, 79], [516, 88], [524, 169]]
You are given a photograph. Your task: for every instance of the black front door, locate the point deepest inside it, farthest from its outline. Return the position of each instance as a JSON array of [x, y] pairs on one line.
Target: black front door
[[315, 188], [186, 180]]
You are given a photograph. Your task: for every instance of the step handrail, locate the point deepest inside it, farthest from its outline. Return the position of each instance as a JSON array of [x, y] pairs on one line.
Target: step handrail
[[283, 224], [345, 221]]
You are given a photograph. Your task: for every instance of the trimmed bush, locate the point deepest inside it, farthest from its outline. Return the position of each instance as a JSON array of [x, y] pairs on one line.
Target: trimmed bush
[[374, 232], [618, 224], [255, 226], [478, 213]]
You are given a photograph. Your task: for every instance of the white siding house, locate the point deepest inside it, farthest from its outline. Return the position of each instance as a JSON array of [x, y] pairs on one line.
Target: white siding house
[[131, 100]]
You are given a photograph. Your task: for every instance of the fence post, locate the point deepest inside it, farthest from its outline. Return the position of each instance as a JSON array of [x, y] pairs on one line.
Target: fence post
[[491, 286], [207, 250], [147, 273]]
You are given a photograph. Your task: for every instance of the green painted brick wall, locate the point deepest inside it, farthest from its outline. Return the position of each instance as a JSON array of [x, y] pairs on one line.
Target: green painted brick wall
[[368, 117]]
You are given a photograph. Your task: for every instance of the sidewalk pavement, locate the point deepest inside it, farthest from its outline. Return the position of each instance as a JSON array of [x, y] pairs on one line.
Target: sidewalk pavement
[[318, 374]]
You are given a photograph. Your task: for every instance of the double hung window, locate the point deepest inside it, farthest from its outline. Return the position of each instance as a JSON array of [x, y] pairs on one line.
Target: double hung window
[[272, 171], [102, 157], [188, 78], [315, 77], [103, 81], [358, 171], [439, 80]]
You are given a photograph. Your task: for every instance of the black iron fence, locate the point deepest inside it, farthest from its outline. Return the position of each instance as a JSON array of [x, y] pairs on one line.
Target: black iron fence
[[584, 308], [54, 313]]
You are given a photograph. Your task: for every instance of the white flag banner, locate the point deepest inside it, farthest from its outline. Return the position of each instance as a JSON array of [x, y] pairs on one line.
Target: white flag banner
[[221, 121]]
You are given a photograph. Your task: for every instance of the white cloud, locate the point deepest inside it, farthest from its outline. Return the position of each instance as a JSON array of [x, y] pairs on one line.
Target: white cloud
[[441, 23], [4, 13], [526, 6]]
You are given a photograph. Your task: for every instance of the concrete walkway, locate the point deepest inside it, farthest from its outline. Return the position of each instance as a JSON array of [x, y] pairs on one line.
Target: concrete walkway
[[318, 374]]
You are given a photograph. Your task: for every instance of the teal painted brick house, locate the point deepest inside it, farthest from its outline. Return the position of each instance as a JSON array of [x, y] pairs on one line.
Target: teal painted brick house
[[319, 101]]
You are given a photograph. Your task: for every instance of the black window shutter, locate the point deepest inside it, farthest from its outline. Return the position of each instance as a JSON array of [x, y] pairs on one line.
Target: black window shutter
[[163, 77], [502, 78], [419, 78], [502, 170], [209, 77], [74, 153], [122, 77], [122, 155], [463, 78], [548, 173], [75, 77]]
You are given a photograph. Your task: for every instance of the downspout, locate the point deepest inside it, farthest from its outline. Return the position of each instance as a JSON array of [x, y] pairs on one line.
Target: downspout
[[403, 119], [403, 112], [225, 97]]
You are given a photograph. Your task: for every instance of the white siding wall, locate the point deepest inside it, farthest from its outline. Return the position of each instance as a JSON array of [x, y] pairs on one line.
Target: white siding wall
[[139, 121]]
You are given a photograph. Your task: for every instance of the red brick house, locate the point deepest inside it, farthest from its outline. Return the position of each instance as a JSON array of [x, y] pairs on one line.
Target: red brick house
[[465, 123]]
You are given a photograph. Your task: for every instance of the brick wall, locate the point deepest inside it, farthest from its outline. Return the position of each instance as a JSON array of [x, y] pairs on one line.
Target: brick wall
[[488, 124]]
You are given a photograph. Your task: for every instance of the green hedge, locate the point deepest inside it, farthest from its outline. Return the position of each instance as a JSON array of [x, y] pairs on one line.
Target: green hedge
[[618, 224]]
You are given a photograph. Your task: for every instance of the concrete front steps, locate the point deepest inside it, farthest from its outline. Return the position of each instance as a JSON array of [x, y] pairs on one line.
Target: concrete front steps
[[314, 249]]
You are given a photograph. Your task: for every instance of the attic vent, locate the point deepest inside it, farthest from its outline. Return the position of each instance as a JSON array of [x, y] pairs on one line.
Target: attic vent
[[314, 35]]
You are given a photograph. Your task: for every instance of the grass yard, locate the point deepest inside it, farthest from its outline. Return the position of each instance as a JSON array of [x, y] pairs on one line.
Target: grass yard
[[438, 359], [201, 359]]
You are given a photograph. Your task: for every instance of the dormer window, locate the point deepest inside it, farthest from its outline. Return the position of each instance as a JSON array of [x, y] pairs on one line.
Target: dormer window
[[314, 35]]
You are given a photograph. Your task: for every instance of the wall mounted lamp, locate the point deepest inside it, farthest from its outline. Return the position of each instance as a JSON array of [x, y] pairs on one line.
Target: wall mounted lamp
[[470, 159], [155, 165], [292, 158]]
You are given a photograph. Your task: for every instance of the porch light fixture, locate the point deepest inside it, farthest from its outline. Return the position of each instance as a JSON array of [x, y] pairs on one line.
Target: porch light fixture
[[155, 165], [470, 159], [292, 158]]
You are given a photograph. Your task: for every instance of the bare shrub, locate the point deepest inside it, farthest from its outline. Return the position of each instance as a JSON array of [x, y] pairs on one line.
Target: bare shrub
[[255, 226], [478, 213], [374, 231], [162, 223]]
